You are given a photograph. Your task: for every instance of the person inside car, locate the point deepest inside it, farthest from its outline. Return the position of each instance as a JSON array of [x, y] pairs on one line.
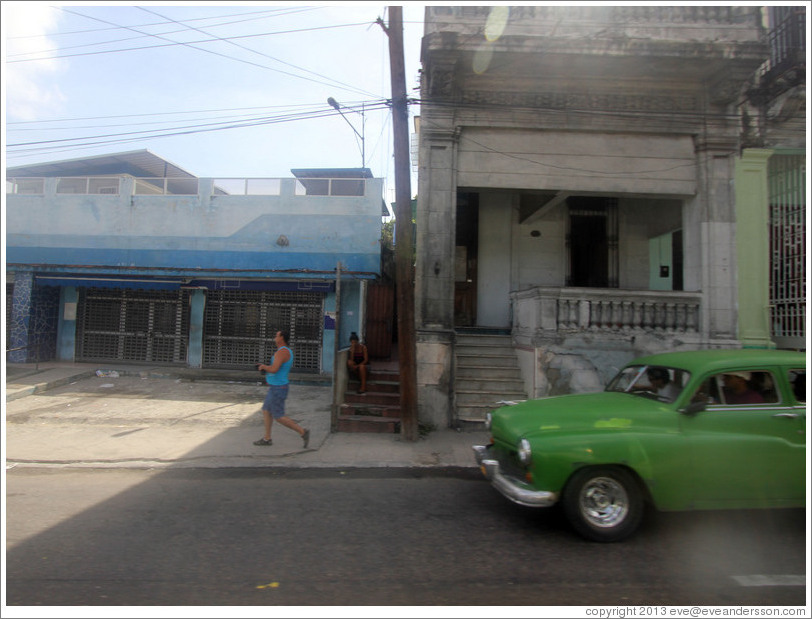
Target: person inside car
[[737, 389], [662, 384]]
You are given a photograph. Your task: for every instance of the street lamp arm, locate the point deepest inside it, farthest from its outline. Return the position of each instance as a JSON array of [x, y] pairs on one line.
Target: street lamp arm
[[350, 124], [334, 104]]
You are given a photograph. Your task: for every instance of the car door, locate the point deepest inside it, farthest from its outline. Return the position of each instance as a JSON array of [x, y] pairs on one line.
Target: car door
[[747, 451]]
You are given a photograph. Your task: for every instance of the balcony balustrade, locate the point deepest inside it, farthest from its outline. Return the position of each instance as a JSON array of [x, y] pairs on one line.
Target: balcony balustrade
[[546, 310]]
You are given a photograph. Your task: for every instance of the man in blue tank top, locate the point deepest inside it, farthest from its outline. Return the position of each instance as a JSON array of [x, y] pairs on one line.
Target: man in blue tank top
[[276, 375]]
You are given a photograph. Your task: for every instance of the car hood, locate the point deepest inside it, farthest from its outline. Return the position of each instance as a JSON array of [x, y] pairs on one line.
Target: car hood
[[571, 413]]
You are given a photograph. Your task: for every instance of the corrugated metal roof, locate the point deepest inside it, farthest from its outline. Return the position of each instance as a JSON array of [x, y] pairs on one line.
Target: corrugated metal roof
[[139, 163], [332, 173]]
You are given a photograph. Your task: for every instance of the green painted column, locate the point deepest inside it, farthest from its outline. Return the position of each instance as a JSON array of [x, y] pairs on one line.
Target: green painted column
[[753, 248]]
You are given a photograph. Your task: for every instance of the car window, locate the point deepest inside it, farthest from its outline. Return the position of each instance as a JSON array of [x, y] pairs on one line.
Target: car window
[[736, 388], [797, 379], [656, 382]]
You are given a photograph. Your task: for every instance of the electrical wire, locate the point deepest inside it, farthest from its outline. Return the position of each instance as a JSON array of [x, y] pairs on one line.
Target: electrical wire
[[58, 145], [276, 13], [186, 43], [225, 40], [124, 40], [192, 45], [256, 116]]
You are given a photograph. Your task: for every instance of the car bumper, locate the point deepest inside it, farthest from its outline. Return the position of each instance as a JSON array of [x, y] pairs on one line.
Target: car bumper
[[514, 489]]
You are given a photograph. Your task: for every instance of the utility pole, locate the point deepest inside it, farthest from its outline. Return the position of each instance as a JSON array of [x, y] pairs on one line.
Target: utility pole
[[404, 273]]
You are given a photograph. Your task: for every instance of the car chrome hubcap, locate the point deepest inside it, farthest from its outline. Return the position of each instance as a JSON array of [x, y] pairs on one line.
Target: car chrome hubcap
[[604, 502]]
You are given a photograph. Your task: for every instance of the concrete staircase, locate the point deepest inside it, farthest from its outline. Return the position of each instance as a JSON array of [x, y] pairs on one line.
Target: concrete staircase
[[486, 372], [378, 410]]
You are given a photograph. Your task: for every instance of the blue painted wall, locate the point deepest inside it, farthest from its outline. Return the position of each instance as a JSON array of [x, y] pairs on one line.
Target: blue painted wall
[[285, 235]]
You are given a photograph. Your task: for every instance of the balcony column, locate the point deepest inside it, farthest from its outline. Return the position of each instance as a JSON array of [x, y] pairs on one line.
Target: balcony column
[[710, 241]]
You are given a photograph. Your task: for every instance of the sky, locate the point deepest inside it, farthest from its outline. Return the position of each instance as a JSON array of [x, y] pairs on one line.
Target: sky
[[222, 90]]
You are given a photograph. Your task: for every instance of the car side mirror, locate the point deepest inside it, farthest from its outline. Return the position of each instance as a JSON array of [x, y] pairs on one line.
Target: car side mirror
[[694, 408]]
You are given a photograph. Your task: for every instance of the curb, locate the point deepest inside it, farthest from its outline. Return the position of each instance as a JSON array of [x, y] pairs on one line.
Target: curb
[[45, 386]]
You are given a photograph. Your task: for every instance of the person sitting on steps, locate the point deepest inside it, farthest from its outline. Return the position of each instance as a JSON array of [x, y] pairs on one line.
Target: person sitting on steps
[[358, 361]]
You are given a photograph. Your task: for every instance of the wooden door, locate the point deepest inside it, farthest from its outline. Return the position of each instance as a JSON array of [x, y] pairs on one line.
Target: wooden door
[[380, 320]]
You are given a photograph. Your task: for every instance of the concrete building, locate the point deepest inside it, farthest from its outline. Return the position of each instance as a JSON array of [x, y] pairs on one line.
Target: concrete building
[[577, 193], [771, 188], [129, 258]]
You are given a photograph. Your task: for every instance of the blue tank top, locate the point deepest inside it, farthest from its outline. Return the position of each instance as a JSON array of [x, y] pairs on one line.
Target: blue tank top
[[281, 377]]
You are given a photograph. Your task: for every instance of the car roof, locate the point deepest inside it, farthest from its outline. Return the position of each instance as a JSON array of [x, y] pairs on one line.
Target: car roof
[[710, 360]]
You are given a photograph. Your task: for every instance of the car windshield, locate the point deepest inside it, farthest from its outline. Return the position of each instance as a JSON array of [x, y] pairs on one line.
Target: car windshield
[[650, 381]]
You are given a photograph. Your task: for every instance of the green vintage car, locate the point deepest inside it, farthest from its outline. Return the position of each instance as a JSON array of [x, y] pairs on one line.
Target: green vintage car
[[712, 429]]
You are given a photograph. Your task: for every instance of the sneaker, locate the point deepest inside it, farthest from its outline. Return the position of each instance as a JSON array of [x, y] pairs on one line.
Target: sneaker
[[306, 437], [262, 441]]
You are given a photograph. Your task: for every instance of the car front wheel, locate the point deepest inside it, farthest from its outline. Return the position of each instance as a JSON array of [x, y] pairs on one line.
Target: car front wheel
[[603, 504]]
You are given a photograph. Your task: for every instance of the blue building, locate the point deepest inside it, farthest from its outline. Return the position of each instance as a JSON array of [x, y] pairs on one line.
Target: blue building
[[129, 258]]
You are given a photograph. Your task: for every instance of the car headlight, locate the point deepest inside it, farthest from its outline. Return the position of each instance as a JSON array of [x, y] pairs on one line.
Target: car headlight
[[488, 419], [524, 452]]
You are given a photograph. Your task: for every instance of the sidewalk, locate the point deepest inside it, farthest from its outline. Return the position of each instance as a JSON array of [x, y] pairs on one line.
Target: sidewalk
[[67, 415]]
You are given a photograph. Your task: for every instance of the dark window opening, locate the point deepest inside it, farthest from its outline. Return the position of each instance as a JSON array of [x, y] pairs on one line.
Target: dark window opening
[[593, 242], [465, 259]]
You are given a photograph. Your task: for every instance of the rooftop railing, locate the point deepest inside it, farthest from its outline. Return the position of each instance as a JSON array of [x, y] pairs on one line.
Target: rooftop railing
[[142, 186]]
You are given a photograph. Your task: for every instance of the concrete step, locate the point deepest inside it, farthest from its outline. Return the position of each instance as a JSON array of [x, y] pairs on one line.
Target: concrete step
[[475, 413], [486, 373], [370, 410], [377, 385], [361, 423], [482, 372], [382, 375], [487, 360], [486, 351], [464, 398], [488, 383], [463, 339], [372, 397]]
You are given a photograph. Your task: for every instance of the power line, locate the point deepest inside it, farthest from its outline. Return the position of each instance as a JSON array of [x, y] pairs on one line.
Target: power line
[[334, 84], [225, 40], [111, 41], [175, 43], [257, 111], [117, 138], [276, 13], [233, 109]]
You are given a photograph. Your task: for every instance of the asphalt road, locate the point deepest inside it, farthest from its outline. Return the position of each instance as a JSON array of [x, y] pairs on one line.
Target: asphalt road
[[235, 537]]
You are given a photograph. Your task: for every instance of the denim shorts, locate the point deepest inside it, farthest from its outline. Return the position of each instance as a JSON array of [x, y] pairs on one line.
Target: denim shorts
[[275, 400]]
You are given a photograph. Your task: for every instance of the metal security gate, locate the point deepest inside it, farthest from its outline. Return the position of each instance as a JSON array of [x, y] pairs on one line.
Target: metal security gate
[[139, 326], [787, 182], [239, 328]]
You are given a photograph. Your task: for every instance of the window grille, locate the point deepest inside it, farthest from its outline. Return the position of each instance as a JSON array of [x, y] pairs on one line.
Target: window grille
[[787, 34], [27, 186], [787, 223], [239, 327], [139, 326], [88, 185]]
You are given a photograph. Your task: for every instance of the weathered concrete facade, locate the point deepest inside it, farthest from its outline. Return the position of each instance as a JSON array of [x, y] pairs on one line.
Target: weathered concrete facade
[[576, 171]]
